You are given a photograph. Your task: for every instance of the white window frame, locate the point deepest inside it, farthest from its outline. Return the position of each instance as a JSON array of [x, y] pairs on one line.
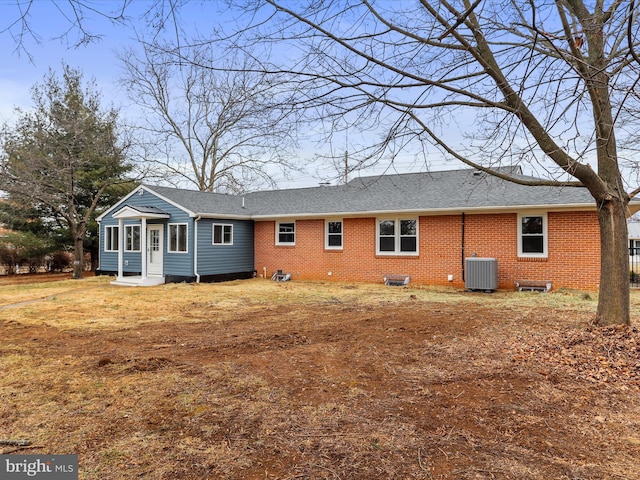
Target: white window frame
[[223, 226], [278, 232], [545, 236], [327, 234], [398, 237], [127, 236], [111, 237], [186, 240]]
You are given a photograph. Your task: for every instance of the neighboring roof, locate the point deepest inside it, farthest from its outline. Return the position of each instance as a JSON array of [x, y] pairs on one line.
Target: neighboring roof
[[633, 229], [433, 192]]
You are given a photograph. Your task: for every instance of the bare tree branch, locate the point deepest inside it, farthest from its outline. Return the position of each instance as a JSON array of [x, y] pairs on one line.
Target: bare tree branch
[[220, 130]]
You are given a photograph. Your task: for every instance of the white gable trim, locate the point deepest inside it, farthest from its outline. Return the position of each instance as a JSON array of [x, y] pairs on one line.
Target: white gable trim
[[136, 191]]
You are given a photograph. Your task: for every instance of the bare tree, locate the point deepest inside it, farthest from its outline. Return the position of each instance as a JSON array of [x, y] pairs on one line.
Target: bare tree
[[210, 122], [63, 156], [17, 18], [547, 84]]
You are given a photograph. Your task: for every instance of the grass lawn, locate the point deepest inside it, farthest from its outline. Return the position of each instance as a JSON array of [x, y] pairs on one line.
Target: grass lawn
[[306, 380]]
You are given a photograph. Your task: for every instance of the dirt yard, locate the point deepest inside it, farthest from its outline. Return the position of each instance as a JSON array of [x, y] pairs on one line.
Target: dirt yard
[[259, 380]]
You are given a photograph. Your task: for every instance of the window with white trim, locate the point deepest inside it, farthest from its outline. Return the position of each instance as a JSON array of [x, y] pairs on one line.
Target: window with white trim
[[532, 235], [286, 233], [132, 238], [333, 234], [177, 238], [111, 238], [396, 236], [222, 234]]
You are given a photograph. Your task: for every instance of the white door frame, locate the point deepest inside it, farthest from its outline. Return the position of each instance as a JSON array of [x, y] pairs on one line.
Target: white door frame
[[155, 249]]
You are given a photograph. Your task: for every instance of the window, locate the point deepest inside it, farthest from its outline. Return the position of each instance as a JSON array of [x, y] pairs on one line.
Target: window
[[333, 237], [111, 239], [286, 233], [222, 234], [397, 237], [532, 234], [132, 238], [177, 237]]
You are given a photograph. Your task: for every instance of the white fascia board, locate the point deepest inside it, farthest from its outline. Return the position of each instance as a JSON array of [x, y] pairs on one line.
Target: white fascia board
[[226, 216], [432, 212]]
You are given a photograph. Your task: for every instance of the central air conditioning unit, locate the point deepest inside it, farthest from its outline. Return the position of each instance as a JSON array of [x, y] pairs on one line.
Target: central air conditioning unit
[[482, 274]]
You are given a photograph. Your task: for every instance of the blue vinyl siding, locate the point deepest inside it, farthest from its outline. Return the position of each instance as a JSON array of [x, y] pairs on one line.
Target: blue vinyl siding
[[174, 263], [109, 260], [212, 259], [223, 259], [179, 263]]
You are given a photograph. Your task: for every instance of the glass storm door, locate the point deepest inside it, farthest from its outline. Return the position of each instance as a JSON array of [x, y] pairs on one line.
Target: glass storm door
[[154, 249]]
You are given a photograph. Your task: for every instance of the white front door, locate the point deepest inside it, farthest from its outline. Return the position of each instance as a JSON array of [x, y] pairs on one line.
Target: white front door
[[154, 249]]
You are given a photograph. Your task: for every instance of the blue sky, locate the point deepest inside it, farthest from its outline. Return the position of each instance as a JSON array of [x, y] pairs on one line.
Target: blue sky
[[18, 72], [21, 68]]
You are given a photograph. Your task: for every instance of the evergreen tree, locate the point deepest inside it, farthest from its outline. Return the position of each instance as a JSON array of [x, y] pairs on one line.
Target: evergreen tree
[[61, 157]]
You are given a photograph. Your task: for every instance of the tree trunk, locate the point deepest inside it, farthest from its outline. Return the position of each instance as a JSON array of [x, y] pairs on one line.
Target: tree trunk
[[78, 258], [614, 297]]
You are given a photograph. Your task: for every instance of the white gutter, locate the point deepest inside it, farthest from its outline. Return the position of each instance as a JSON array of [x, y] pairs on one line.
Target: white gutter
[[195, 248], [434, 211]]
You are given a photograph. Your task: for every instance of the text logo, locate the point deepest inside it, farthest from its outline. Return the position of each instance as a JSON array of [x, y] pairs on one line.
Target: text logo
[[39, 467]]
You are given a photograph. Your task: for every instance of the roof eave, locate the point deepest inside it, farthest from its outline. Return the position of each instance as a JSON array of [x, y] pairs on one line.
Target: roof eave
[[225, 216], [431, 212]]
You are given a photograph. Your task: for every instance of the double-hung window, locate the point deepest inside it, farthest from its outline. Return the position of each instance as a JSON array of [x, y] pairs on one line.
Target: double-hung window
[[333, 235], [532, 236], [286, 233], [177, 237], [111, 239], [132, 238], [396, 236], [222, 234]]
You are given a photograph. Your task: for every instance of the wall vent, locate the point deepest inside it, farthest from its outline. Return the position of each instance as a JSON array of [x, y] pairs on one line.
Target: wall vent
[[482, 274]]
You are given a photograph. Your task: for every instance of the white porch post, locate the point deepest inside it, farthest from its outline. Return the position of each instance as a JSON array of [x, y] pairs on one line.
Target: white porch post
[[120, 247], [144, 248]]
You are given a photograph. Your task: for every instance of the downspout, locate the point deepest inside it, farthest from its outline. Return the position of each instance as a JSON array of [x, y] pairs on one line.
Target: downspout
[[144, 248], [462, 247], [195, 248], [120, 248]]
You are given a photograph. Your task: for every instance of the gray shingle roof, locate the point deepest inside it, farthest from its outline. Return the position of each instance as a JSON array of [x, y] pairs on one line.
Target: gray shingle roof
[[204, 203], [147, 209], [634, 229], [440, 191]]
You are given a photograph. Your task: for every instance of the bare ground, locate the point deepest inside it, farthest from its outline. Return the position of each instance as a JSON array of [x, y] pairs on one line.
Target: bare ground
[[341, 385]]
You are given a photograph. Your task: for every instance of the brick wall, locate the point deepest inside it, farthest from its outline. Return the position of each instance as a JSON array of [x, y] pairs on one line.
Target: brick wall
[[573, 243]]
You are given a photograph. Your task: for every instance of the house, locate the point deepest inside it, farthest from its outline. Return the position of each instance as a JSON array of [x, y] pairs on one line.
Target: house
[[633, 229], [634, 238], [422, 225]]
